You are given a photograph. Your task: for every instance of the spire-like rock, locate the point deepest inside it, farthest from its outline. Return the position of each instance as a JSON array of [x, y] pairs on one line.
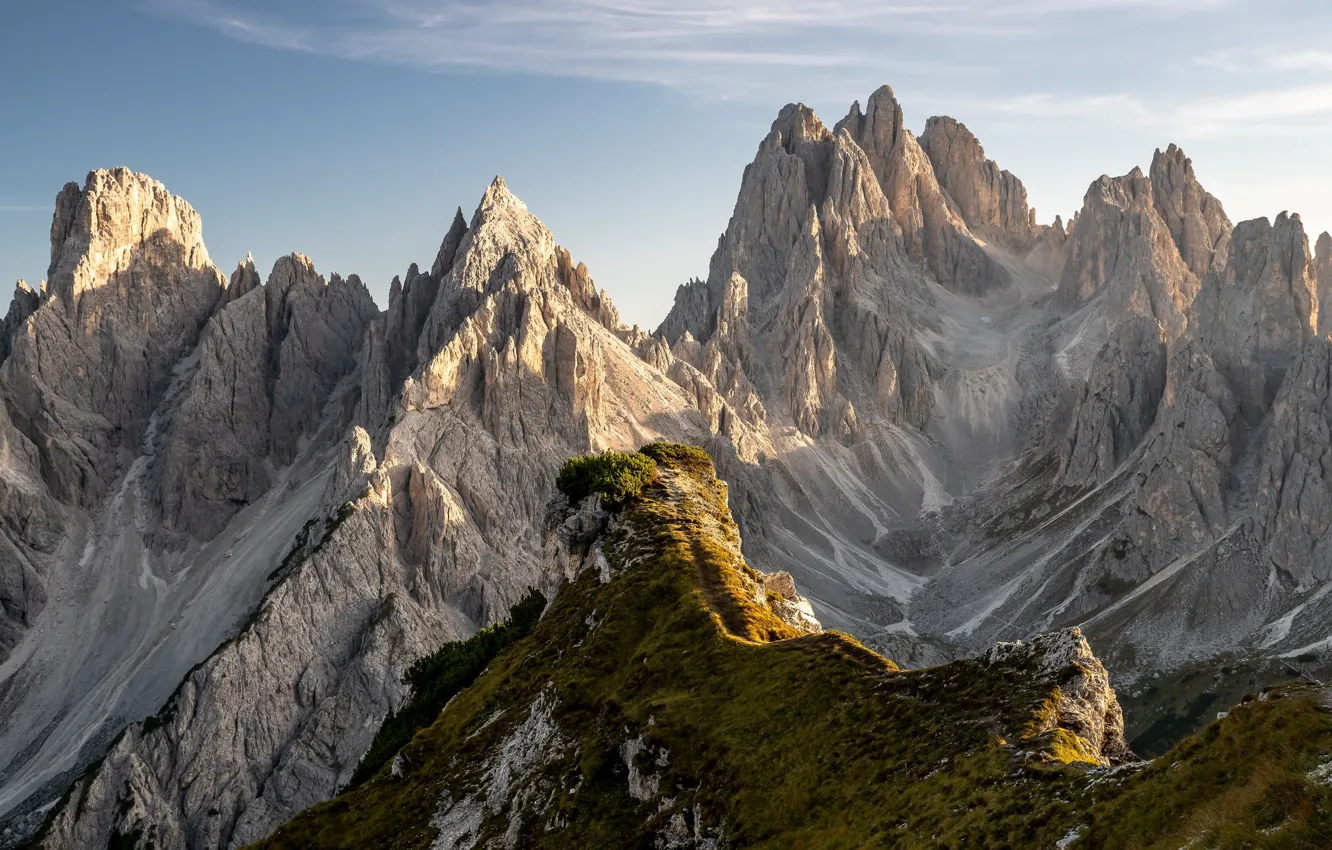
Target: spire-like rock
[[934, 234], [1323, 271], [448, 249], [130, 287], [21, 306], [1257, 312], [1123, 250], [1195, 218], [993, 202], [244, 280]]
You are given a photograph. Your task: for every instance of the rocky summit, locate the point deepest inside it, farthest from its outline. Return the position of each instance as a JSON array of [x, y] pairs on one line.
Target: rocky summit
[[258, 531]]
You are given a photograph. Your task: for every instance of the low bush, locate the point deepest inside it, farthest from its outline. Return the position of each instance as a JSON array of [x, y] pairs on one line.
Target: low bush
[[617, 476], [439, 676]]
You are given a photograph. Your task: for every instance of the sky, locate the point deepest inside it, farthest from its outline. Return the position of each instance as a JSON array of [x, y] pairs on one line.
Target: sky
[[350, 130]]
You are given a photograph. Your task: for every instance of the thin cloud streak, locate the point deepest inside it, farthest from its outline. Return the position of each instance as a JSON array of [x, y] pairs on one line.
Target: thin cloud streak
[[693, 45], [767, 50]]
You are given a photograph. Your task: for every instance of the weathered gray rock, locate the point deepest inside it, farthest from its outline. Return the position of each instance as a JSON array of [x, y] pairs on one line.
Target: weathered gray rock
[[130, 287], [992, 202], [1119, 404], [424, 532], [1294, 501], [1323, 271], [1256, 314], [1122, 251], [869, 383], [267, 367], [1194, 217], [932, 230], [21, 306]]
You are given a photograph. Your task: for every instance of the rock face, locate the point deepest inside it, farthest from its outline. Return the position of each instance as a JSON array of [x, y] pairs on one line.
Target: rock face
[[410, 538], [269, 361], [1295, 483], [1121, 249], [1194, 217], [129, 289], [950, 426], [992, 202], [1323, 270]]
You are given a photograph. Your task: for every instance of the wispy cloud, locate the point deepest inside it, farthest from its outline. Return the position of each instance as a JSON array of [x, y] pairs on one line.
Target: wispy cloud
[[1267, 60], [1260, 111], [720, 48], [1111, 107]]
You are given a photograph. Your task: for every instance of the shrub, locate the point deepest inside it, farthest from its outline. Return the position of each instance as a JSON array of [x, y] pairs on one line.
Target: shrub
[[441, 675], [617, 476]]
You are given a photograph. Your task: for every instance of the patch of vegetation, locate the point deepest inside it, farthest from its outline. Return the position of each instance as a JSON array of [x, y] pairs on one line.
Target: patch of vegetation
[[800, 741], [1248, 780], [689, 458], [439, 676], [617, 476]]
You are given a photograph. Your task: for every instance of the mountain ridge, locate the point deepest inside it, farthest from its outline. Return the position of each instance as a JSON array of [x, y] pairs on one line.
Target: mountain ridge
[[873, 363]]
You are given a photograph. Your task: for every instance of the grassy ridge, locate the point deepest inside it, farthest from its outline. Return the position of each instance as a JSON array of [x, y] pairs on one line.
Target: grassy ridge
[[802, 741]]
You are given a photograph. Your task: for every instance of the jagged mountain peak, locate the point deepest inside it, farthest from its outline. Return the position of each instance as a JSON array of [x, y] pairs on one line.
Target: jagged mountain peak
[[115, 217], [992, 201], [498, 197], [1195, 218]]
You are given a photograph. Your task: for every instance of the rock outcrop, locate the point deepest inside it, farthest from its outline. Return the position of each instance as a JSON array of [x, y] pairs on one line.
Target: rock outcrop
[[1194, 217], [992, 202], [129, 289], [24, 303], [1122, 251]]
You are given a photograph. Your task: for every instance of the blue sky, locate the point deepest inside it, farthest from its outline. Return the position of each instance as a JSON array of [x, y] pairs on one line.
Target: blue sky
[[350, 130]]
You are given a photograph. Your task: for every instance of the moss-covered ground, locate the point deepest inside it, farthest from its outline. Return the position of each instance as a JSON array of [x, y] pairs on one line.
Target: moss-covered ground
[[789, 740]]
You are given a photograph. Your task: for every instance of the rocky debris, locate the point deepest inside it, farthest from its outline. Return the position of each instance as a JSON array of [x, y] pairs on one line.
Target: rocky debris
[[991, 201], [1194, 217], [1086, 706]]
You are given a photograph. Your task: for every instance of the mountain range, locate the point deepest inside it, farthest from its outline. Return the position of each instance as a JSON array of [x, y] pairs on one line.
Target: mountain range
[[236, 510]]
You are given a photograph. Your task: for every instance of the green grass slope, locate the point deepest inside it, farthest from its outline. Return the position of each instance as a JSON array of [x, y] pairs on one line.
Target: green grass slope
[[671, 707]]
